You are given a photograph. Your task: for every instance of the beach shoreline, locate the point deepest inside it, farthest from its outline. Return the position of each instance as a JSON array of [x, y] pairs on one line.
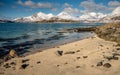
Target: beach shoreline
[[78, 58], [33, 51]]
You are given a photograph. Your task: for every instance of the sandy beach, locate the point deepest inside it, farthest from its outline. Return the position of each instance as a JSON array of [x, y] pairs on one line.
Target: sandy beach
[[90, 56], [59, 37]]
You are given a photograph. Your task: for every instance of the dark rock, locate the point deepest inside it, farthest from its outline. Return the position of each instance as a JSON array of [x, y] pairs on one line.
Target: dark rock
[[107, 65], [58, 65], [85, 56], [25, 60], [38, 62], [12, 63], [101, 45], [78, 51], [78, 57], [1, 73], [7, 65], [116, 54], [59, 52], [109, 57], [100, 63], [6, 58], [77, 66], [115, 58], [118, 45], [70, 52], [92, 65], [84, 29], [117, 48], [65, 63], [23, 66]]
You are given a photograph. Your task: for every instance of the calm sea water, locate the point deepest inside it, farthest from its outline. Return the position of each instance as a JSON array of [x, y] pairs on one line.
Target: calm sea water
[[32, 36]]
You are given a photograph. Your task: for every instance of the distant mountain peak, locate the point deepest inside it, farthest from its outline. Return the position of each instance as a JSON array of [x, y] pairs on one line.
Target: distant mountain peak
[[116, 11], [67, 17]]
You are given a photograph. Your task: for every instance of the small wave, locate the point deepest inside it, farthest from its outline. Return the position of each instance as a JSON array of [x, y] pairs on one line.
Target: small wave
[[44, 32], [66, 34], [25, 36]]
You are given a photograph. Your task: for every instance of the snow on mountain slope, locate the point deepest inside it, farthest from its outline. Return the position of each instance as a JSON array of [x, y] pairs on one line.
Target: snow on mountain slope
[[92, 16], [36, 17], [112, 17], [42, 16], [116, 11], [65, 15]]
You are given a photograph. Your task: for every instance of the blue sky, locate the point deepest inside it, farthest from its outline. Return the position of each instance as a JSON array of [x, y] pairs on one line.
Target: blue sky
[[21, 8]]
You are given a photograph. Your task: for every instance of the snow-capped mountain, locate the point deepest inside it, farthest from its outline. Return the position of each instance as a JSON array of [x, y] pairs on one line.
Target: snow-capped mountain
[[66, 17], [36, 17], [42, 17], [113, 17], [116, 11], [92, 16]]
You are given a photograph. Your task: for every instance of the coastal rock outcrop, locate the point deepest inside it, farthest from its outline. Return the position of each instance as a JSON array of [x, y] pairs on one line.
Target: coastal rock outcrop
[[110, 32]]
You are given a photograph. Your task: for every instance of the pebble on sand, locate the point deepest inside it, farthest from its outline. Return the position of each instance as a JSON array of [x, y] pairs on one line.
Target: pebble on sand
[[23, 66], [100, 63], [85, 56], [59, 52], [107, 65]]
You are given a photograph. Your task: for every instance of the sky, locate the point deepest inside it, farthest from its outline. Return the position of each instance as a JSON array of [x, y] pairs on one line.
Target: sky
[[22, 8]]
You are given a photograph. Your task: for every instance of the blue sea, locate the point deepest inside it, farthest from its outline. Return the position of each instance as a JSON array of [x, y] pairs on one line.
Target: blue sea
[[30, 37]]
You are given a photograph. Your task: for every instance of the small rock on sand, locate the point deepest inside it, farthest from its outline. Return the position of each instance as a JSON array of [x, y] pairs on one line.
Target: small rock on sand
[[13, 53], [6, 58], [78, 57], [38, 62], [25, 60], [115, 58], [59, 52], [7, 65], [70, 52], [23, 66], [85, 56], [58, 65], [65, 63], [77, 66], [117, 48], [100, 63], [78, 51], [107, 65], [12, 63]]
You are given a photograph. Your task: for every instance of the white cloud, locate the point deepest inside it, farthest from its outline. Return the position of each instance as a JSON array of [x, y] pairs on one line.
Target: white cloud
[[72, 10], [67, 5], [92, 16], [91, 6], [114, 3], [32, 4]]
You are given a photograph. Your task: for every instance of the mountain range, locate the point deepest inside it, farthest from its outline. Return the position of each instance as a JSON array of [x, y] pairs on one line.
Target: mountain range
[[66, 17]]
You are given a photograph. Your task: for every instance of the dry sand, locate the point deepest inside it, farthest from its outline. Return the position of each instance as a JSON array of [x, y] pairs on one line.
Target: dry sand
[[84, 56]]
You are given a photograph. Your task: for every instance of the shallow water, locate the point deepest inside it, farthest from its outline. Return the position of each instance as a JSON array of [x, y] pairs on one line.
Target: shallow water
[[25, 37]]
